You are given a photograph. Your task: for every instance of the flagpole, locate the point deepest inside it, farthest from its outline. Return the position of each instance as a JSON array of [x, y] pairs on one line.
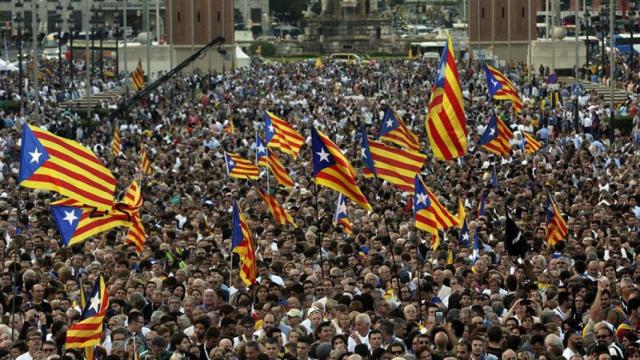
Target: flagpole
[[318, 240], [393, 258]]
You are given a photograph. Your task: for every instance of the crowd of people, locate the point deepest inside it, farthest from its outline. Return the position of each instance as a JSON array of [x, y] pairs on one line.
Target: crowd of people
[[380, 293]]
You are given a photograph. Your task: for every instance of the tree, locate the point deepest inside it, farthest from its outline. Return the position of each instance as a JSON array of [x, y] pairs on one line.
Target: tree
[[289, 10]]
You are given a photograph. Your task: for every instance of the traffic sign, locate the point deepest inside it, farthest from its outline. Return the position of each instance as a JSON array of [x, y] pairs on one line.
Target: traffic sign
[[577, 89], [553, 78]]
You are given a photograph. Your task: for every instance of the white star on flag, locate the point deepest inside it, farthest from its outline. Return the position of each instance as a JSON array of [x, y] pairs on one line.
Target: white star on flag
[[70, 217], [231, 163], [364, 153], [389, 123], [35, 156], [465, 237], [271, 129], [492, 131], [422, 198], [324, 156], [261, 148], [342, 208], [95, 303]]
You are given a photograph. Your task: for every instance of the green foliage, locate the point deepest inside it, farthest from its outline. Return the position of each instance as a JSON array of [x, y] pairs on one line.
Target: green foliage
[[267, 49]]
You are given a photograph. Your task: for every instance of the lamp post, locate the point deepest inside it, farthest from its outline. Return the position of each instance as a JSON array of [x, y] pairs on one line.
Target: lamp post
[[604, 13], [92, 22], [116, 34], [72, 26], [587, 19], [59, 25], [100, 23], [35, 20], [612, 62], [18, 20]]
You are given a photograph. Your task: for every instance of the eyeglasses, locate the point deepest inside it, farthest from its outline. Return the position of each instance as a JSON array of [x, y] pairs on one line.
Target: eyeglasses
[[397, 352]]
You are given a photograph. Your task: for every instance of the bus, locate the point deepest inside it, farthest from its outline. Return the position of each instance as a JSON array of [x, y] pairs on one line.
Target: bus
[[624, 43], [428, 49]]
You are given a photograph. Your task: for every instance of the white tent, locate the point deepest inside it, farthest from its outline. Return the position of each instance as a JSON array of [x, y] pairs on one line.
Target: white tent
[[242, 59]]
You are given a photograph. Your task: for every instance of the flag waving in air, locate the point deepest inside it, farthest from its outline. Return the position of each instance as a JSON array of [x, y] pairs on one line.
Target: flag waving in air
[[395, 131], [281, 135], [556, 226], [332, 169], [261, 152], [279, 171], [501, 88], [341, 217], [77, 222], [446, 124], [429, 214], [398, 167], [145, 162], [137, 77], [239, 167], [50, 162], [529, 144], [88, 332], [116, 147], [278, 211], [242, 244], [132, 203], [496, 137]]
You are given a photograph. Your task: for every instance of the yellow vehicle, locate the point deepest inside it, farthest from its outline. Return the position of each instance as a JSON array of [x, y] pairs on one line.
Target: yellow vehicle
[[348, 58]]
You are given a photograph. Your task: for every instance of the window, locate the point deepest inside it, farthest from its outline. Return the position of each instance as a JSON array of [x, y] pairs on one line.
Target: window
[[198, 16], [218, 16], [503, 12], [523, 12], [178, 16], [483, 12]]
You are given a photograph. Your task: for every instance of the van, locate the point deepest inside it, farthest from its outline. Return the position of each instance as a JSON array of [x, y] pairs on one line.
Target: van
[[348, 58]]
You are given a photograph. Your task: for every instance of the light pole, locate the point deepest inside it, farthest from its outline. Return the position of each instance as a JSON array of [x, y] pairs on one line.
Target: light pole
[[529, 43], [100, 23], [59, 25], [577, 35], [18, 20], [93, 22], [603, 26], [124, 35], [35, 19], [587, 17], [169, 16], [116, 35], [612, 62], [72, 26]]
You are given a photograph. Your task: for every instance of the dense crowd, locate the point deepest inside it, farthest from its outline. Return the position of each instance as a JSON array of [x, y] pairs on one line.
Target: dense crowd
[[381, 293]]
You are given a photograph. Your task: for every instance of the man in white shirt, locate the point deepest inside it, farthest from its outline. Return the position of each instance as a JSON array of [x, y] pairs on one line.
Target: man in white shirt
[[361, 333], [34, 341]]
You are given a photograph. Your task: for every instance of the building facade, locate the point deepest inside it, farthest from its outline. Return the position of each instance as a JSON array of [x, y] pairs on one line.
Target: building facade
[[255, 15], [76, 14]]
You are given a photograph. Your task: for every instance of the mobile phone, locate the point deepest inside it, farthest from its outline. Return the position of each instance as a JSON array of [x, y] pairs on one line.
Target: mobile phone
[[439, 317]]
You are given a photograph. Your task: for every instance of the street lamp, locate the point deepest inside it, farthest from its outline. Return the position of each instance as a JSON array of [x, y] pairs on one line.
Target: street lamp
[[59, 25], [72, 26], [587, 24], [604, 15], [92, 22], [18, 20], [116, 35], [100, 23]]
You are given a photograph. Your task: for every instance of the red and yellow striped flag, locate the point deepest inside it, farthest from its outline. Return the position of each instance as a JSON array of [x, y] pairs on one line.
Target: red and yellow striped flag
[[240, 168], [137, 77], [133, 202], [395, 131], [332, 169], [116, 147], [497, 137], [341, 217], [556, 226], [279, 172], [242, 244], [88, 332], [145, 162], [430, 215], [446, 124], [529, 143], [51, 162], [281, 135], [278, 211], [397, 166], [501, 88]]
